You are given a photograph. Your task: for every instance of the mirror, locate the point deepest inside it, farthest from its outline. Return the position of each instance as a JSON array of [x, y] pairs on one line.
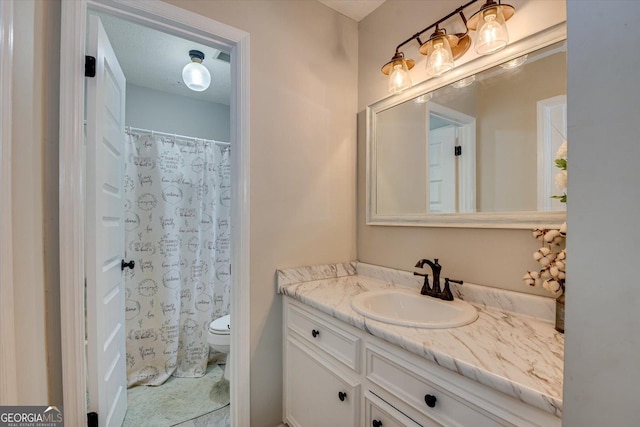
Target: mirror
[[479, 151]]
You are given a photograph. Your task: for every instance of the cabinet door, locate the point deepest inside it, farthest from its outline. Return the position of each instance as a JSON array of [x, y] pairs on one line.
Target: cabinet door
[[316, 392]]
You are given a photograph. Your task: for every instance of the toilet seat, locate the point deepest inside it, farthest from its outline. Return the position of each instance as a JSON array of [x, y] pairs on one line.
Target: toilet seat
[[220, 326]]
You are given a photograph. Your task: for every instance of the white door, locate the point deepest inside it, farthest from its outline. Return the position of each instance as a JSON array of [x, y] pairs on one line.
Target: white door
[[442, 170], [106, 354]]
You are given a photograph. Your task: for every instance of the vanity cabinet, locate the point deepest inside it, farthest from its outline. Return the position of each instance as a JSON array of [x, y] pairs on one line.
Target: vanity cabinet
[[383, 385]]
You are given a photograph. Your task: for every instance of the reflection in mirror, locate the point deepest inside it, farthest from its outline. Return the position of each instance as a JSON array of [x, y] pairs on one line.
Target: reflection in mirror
[[485, 144]]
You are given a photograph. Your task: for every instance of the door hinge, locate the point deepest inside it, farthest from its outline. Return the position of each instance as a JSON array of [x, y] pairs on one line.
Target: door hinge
[[92, 419], [89, 66], [458, 150]]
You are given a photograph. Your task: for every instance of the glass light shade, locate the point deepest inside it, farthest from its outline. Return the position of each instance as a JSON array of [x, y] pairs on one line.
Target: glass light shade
[[439, 56], [196, 76], [399, 79], [492, 33]]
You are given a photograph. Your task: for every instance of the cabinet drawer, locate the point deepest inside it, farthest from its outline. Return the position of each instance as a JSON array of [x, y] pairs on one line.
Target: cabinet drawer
[[329, 337], [411, 387], [378, 413], [318, 394]]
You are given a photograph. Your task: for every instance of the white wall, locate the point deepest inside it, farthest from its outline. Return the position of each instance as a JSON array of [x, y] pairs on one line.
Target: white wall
[[602, 339], [166, 112], [484, 256]]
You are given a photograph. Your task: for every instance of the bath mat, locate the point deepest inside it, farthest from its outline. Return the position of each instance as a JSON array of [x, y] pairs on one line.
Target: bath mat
[[177, 400]]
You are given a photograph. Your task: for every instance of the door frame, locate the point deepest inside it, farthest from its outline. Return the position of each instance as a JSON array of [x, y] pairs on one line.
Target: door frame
[[466, 135], [177, 21]]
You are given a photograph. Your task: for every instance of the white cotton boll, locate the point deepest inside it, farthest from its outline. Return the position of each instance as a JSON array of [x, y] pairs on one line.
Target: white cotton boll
[[562, 255], [528, 280], [541, 253], [562, 275], [560, 264], [554, 271], [545, 275], [538, 233], [551, 235], [534, 274], [563, 228], [547, 259], [554, 286], [545, 285]]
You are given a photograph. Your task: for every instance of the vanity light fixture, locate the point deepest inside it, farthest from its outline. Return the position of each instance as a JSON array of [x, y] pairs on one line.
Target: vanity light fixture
[[468, 81], [514, 63], [490, 22], [194, 74], [424, 98], [438, 51], [398, 71], [443, 49]]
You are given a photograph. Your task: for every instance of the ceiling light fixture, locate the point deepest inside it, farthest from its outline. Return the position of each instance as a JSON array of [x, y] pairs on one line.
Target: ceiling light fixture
[[443, 49], [195, 75]]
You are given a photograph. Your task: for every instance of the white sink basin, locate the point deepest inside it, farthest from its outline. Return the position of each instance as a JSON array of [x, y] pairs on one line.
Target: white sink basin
[[407, 307]]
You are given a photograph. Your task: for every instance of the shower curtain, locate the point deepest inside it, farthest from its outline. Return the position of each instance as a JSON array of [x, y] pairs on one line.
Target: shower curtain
[[177, 198]]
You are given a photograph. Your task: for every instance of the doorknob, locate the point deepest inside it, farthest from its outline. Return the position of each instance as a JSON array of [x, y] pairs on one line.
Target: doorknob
[[129, 264]]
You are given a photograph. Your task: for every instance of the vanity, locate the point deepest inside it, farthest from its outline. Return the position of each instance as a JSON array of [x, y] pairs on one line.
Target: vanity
[[344, 369]]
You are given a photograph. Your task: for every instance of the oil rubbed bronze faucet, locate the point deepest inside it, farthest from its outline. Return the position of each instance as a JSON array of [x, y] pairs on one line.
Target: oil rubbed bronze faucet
[[435, 291]]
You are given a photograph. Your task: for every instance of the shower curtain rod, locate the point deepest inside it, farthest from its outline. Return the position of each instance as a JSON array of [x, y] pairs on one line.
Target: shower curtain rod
[[153, 132]]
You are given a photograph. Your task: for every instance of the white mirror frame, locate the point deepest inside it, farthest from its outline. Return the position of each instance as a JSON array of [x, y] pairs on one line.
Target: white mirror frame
[[525, 219]]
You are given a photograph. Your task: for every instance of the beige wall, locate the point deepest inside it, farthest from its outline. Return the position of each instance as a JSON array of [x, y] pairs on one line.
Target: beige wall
[[303, 138], [507, 133], [488, 257], [303, 108], [35, 201]]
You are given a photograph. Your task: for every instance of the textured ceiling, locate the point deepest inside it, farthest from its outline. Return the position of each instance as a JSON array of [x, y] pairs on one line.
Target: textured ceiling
[[154, 59], [354, 9]]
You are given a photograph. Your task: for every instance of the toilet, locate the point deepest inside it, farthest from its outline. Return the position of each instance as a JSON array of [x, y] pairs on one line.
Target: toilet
[[219, 339]]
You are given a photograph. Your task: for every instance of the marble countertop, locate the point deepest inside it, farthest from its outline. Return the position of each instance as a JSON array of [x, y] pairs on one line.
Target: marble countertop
[[517, 354]]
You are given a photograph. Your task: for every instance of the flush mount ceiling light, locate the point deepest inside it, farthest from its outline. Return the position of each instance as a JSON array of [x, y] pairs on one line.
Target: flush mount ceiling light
[[194, 74], [443, 49]]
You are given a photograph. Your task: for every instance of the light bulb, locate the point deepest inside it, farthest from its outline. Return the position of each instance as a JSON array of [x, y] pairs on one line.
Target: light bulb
[[439, 56], [492, 34], [399, 79], [196, 76]]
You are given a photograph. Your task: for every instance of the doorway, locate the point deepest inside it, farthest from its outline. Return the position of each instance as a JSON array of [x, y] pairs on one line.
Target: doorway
[[178, 22]]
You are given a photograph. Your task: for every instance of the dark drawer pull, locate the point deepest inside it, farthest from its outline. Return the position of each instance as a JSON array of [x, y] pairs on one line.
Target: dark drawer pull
[[315, 333], [342, 396], [376, 423], [430, 400]]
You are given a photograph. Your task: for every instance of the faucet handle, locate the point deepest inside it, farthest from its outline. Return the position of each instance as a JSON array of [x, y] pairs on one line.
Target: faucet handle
[[459, 282], [420, 274]]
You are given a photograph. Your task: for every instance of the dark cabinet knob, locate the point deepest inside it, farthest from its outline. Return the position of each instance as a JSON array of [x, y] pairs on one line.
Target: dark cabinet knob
[[376, 423], [315, 333], [129, 264], [430, 400], [342, 396]]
